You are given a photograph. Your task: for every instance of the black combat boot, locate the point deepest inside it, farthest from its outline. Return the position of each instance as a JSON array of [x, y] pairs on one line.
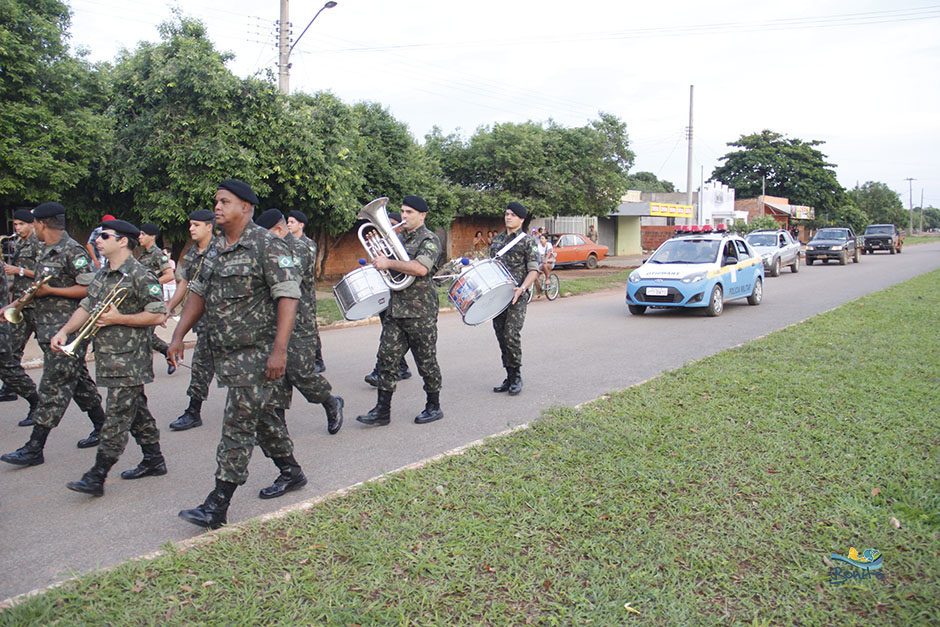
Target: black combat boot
[[211, 514], [318, 365], [6, 394], [373, 377], [31, 453], [504, 386], [153, 464], [334, 414], [291, 478], [515, 383], [403, 371], [192, 417], [33, 406], [96, 416], [381, 414], [170, 368], [92, 482], [432, 409]]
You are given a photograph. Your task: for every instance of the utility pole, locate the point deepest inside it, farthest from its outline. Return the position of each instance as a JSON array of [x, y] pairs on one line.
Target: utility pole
[[688, 178], [921, 229], [910, 204], [283, 50]]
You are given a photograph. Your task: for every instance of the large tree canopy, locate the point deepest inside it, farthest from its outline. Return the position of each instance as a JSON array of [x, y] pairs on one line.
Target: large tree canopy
[[880, 203], [647, 182], [789, 168]]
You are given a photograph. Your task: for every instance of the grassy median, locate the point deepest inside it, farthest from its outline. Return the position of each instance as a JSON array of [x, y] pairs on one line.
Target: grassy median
[[713, 494]]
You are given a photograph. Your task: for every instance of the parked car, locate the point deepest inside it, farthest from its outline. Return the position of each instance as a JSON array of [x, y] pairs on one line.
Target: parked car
[[883, 237], [702, 270], [833, 243], [574, 248], [777, 248]]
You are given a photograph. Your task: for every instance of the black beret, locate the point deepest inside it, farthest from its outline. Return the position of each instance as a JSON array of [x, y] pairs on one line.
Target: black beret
[[394, 215], [121, 227], [300, 216], [23, 215], [518, 209], [416, 202], [240, 189], [150, 228], [202, 215], [269, 218], [48, 210]]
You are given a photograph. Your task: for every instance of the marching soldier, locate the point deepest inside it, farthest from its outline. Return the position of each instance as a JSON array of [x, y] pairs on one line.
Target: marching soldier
[[248, 289], [522, 262], [411, 318], [12, 374], [157, 262], [295, 224], [201, 226], [63, 378], [301, 373], [123, 361]]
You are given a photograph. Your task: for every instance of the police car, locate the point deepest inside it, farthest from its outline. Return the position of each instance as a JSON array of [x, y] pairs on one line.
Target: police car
[[697, 267]]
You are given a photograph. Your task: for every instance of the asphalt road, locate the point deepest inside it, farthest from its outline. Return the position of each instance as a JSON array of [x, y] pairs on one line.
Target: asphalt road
[[575, 349]]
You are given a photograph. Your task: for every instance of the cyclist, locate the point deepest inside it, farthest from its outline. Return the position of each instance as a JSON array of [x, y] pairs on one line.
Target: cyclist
[[546, 255]]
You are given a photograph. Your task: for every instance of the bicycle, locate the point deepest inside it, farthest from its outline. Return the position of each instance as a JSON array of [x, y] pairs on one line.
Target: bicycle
[[550, 288]]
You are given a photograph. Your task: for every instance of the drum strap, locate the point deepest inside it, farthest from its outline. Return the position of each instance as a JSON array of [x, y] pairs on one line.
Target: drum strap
[[516, 240]]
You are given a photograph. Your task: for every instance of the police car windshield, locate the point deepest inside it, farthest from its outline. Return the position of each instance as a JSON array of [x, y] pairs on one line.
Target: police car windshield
[[687, 251], [762, 239]]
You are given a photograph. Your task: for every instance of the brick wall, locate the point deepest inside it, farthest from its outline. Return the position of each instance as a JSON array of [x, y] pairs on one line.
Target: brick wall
[[652, 236]]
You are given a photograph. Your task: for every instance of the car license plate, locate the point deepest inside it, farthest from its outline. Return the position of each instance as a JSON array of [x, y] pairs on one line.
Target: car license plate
[[657, 291]]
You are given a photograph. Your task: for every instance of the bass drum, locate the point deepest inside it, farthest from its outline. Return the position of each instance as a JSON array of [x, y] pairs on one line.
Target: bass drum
[[362, 293], [483, 291]]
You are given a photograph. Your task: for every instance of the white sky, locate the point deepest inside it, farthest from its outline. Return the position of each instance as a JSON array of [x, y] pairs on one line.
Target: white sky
[[860, 75]]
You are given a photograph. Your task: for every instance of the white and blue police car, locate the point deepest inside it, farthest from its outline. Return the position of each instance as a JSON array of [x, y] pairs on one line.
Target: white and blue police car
[[697, 267]]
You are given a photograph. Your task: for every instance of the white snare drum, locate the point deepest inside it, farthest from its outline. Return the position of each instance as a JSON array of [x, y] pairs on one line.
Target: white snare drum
[[362, 293], [483, 291]]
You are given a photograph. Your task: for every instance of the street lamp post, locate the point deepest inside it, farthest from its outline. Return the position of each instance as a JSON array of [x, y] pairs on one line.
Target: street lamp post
[[285, 47]]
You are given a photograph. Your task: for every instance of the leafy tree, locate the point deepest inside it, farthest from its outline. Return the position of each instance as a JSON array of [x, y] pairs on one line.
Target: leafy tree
[[760, 222], [52, 127], [647, 182], [789, 168], [881, 203]]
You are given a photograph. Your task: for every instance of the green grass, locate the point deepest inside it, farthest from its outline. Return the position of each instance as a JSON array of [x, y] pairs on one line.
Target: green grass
[[708, 495], [913, 240]]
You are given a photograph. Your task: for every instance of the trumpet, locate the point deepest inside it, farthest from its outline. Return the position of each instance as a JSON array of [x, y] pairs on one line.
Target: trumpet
[[14, 314], [384, 241], [115, 297]]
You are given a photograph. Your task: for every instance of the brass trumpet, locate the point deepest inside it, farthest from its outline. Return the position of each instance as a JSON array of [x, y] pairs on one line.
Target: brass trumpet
[[14, 314], [115, 297]]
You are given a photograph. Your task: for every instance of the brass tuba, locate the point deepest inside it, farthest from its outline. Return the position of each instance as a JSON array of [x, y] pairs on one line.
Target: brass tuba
[[115, 297], [14, 314], [384, 241]]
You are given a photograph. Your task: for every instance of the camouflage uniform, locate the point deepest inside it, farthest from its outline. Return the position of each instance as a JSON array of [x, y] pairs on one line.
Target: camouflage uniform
[[63, 377], [123, 361], [25, 253], [154, 260], [519, 260], [241, 285], [11, 372], [312, 253], [411, 317], [203, 370]]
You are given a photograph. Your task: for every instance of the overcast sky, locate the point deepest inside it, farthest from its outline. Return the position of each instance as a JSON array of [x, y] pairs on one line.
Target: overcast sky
[[859, 75]]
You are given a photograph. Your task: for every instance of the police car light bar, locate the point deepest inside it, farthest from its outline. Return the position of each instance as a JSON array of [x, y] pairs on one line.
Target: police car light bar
[[721, 228]]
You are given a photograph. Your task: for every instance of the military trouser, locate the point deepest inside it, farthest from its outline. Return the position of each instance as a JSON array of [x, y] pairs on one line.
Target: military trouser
[[508, 327], [20, 333], [157, 344], [64, 378], [12, 374], [301, 366], [398, 336], [249, 417], [203, 369], [127, 412]]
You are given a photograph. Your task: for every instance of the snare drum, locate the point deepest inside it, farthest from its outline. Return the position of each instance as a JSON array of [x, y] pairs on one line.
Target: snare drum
[[362, 293], [483, 291]]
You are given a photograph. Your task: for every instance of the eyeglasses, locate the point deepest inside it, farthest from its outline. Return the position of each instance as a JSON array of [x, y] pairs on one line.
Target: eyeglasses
[[106, 236]]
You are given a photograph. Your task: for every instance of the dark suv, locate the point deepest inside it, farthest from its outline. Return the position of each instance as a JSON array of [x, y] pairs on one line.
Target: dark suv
[[833, 243], [883, 237]]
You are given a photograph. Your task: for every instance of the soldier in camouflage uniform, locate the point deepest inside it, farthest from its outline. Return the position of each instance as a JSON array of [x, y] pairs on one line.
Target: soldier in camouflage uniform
[[295, 224], [201, 227], [522, 262], [19, 271], [63, 377], [157, 262], [411, 317], [123, 361], [248, 288]]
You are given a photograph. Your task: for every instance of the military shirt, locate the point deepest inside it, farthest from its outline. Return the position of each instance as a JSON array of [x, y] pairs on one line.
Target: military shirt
[[25, 253], [241, 284], [521, 258], [305, 323], [69, 264], [418, 300], [192, 264], [155, 260], [123, 353]]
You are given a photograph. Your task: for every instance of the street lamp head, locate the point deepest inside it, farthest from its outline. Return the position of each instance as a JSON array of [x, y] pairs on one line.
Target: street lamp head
[[329, 5]]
